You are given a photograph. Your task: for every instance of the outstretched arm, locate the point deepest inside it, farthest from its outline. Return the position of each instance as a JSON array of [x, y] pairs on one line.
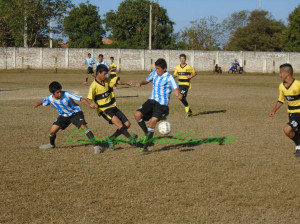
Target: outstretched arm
[[128, 83], [178, 94], [277, 106], [89, 103], [144, 82], [37, 104]]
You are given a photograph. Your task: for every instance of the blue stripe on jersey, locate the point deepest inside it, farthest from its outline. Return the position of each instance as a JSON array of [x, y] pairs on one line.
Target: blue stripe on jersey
[[102, 63]]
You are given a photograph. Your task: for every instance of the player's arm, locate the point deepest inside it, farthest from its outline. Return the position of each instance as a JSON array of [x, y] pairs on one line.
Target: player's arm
[[192, 75], [140, 84], [89, 103], [128, 83], [277, 106], [37, 104]]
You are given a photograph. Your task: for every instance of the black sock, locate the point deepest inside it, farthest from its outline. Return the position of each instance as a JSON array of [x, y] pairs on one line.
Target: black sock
[[185, 103], [52, 139], [296, 140], [124, 131], [142, 124], [86, 79], [90, 135], [116, 134], [149, 137]]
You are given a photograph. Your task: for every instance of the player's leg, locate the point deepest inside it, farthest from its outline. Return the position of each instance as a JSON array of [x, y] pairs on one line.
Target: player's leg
[[144, 113], [184, 91], [292, 129]]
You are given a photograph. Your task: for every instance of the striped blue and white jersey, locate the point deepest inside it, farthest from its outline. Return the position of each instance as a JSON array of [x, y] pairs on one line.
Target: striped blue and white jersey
[[90, 62], [162, 87], [65, 106], [102, 63]]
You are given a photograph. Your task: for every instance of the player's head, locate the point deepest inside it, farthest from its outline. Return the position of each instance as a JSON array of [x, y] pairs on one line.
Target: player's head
[[160, 66], [89, 55], [55, 89], [101, 57], [101, 72], [285, 70], [112, 58], [182, 58]]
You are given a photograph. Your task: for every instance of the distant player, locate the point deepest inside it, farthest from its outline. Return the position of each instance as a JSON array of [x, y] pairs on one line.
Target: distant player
[[156, 107], [289, 90], [113, 71], [90, 62], [185, 73], [102, 62], [101, 96], [69, 112]]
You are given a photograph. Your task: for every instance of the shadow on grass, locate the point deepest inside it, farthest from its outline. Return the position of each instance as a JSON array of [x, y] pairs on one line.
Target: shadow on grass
[[126, 96], [209, 112]]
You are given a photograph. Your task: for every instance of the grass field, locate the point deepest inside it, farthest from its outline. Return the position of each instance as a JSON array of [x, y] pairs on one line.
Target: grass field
[[254, 179]]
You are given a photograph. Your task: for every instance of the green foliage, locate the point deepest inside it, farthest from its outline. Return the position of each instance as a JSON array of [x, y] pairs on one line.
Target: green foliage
[[33, 15], [291, 36], [262, 33], [83, 26], [129, 25]]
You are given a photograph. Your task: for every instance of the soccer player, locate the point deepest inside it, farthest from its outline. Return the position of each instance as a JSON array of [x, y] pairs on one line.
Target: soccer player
[[102, 62], [289, 90], [101, 96], [89, 61], [156, 107], [113, 71], [69, 112], [185, 73]]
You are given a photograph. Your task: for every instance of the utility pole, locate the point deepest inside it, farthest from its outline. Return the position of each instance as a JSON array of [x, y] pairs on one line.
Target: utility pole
[[259, 4], [51, 33]]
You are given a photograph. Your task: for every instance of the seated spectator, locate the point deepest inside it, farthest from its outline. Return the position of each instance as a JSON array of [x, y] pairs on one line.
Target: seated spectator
[[218, 69]]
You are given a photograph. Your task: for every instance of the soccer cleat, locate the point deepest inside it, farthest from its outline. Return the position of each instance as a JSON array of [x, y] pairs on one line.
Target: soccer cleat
[[133, 142], [144, 150], [110, 144], [98, 149], [84, 83], [297, 153], [189, 114], [115, 87], [47, 146]]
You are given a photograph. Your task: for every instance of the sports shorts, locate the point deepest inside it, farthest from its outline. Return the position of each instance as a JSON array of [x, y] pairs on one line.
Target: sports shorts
[[90, 70], [294, 122], [151, 108], [77, 119], [114, 111], [184, 90]]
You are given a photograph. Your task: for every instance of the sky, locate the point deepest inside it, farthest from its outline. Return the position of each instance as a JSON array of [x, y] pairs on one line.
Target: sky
[[182, 12]]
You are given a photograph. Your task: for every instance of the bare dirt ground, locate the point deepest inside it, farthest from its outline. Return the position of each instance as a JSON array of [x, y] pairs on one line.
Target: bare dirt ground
[[253, 179]]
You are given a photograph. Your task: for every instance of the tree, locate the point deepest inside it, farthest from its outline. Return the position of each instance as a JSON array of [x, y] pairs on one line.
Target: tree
[[25, 22], [291, 36], [262, 33], [129, 25], [202, 35], [83, 26]]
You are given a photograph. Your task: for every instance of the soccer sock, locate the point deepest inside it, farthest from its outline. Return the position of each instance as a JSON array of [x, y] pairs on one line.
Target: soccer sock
[[86, 79], [116, 134], [184, 101], [149, 137], [90, 135], [52, 139], [296, 140], [124, 131], [142, 124]]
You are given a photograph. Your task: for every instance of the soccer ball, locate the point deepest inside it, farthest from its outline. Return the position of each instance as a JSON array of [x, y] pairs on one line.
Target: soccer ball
[[164, 127]]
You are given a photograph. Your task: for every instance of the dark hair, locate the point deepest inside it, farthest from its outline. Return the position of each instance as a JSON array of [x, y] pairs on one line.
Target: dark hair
[[54, 86], [112, 58], [101, 55], [100, 68], [89, 54], [287, 67], [182, 55], [161, 63]]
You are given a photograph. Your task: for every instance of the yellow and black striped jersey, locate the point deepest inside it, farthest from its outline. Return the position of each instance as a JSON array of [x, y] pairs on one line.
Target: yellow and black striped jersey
[[113, 70], [292, 95], [182, 73], [103, 95]]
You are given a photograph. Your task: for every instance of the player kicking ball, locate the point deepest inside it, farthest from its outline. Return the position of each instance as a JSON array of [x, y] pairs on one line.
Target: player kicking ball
[[185, 73], [101, 97], [69, 112], [289, 90], [156, 107]]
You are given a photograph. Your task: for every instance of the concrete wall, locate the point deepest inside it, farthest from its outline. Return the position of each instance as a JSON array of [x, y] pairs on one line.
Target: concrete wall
[[129, 59]]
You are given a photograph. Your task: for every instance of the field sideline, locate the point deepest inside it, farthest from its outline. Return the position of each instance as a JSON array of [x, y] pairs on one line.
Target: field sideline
[[252, 178]]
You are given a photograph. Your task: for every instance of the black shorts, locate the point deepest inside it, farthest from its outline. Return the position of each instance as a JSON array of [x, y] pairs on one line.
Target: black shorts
[[90, 70], [184, 90], [152, 108], [77, 119], [114, 111], [294, 122]]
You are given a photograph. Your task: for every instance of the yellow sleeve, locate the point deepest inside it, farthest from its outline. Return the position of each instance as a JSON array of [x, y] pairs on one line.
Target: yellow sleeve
[[176, 71], [192, 70], [113, 81], [281, 97], [91, 94]]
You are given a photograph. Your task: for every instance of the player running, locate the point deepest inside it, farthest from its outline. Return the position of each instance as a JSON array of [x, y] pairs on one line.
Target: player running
[[289, 90], [113, 71], [90, 62], [185, 73], [156, 107], [69, 112]]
